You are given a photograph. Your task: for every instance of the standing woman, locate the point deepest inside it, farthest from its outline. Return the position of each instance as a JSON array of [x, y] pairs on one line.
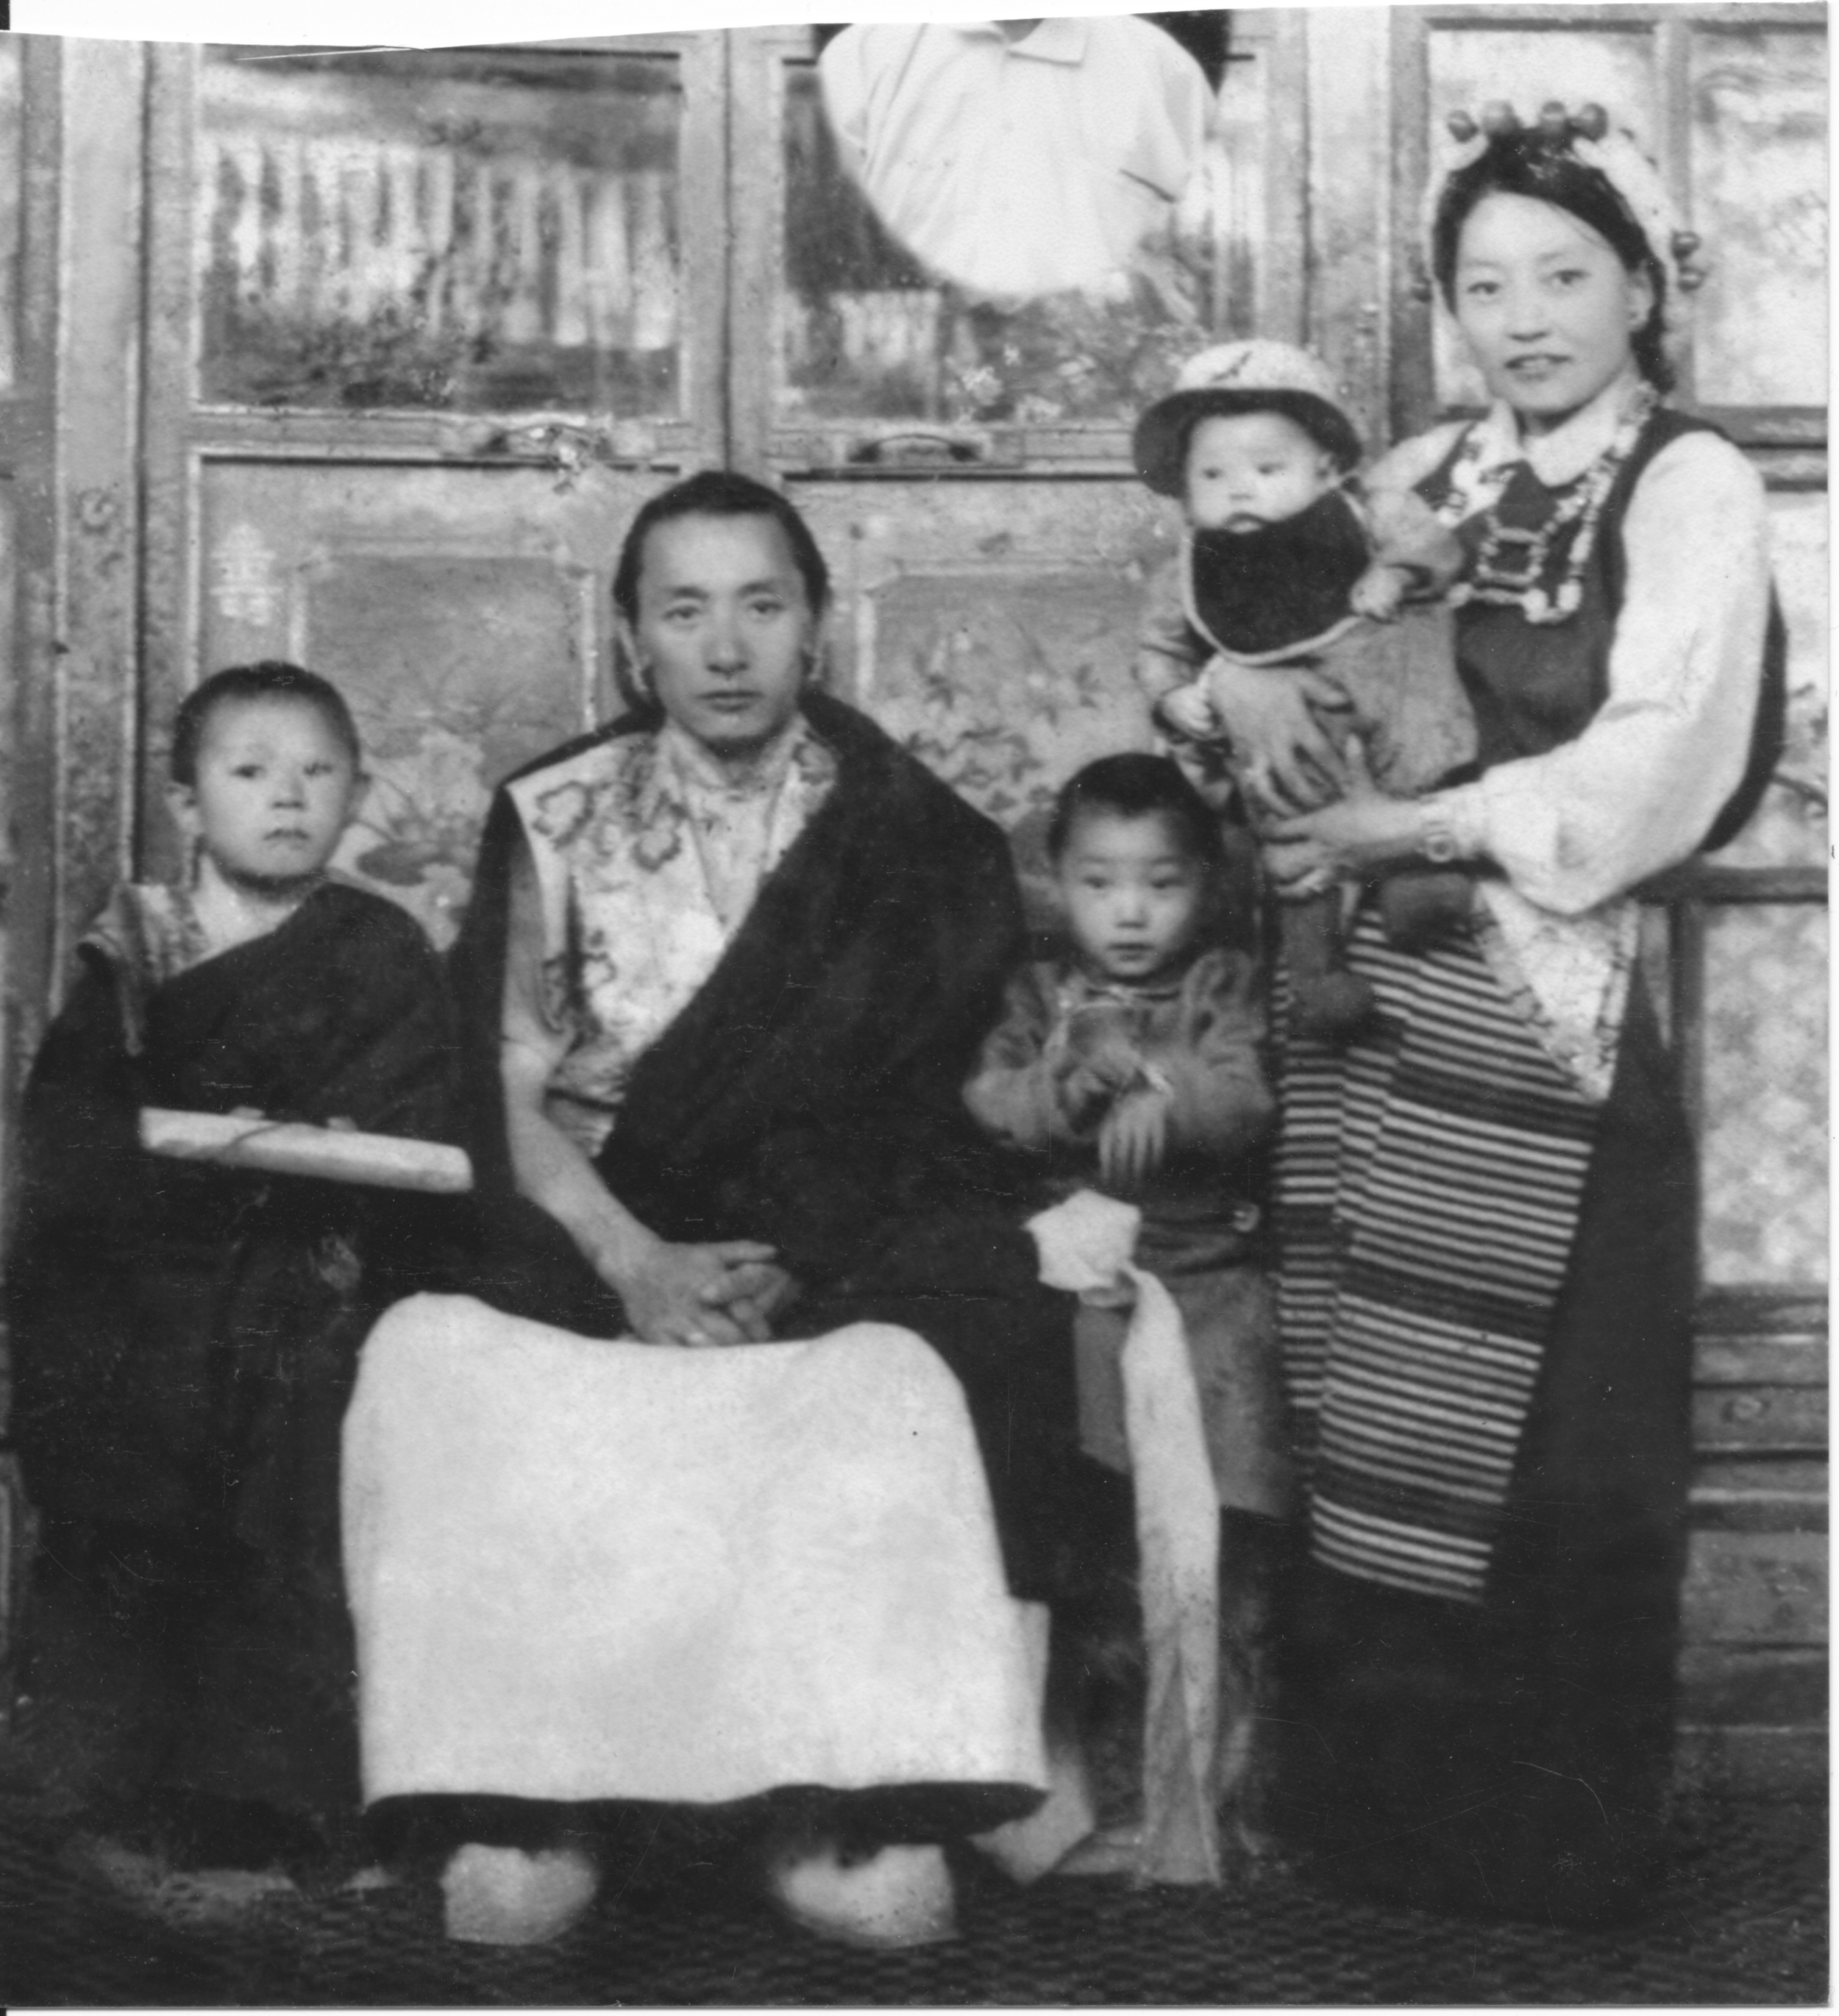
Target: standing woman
[[1487, 1202]]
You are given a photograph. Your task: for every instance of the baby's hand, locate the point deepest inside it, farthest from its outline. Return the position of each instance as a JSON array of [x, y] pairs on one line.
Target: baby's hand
[[1379, 592], [1084, 1094], [1101, 1038], [1188, 709], [1134, 1139], [1099, 1060]]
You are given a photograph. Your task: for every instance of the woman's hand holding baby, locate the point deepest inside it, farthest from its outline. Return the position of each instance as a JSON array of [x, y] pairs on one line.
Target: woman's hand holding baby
[[1187, 709], [1272, 717], [1362, 832], [1380, 592]]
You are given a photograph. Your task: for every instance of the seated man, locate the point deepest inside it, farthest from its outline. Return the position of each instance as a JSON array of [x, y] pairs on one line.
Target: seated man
[[728, 963]]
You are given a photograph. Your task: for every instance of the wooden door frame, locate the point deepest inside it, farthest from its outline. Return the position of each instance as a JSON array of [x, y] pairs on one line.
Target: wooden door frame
[[70, 437], [29, 466]]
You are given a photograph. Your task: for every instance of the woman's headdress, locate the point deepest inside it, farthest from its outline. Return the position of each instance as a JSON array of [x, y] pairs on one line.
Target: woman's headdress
[[1560, 140]]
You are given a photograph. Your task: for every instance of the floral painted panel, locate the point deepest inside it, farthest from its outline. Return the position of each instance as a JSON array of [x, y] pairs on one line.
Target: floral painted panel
[[12, 179], [463, 612], [867, 332], [991, 626], [1759, 201], [1790, 825], [457, 671], [1765, 1205], [1610, 66], [473, 229]]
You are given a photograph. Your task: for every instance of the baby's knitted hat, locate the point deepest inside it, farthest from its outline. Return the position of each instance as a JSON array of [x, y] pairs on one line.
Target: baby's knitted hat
[[1252, 377]]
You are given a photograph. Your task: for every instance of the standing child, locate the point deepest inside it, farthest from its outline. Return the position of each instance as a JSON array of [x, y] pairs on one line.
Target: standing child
[[186, 1335], [1134, 1065], [1284, 566]]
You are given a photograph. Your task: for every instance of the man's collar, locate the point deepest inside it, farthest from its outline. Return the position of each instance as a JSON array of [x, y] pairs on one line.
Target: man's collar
[[1058, 39], [1571, 447], [756, 774]]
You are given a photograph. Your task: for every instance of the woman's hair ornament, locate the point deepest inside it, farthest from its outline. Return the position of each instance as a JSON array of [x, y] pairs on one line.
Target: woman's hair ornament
[[1558, 138]]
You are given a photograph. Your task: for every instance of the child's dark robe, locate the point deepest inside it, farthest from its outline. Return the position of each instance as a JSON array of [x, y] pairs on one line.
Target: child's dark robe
[[184, 1337]]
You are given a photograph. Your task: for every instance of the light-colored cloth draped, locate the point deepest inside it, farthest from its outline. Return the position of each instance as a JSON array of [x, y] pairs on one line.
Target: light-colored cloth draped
[[1085, 1243], [589, 1570], [648, 854]]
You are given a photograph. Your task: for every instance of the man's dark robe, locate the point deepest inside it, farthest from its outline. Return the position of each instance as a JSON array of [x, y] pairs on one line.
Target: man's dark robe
[[811, 1096], [184, 1337]]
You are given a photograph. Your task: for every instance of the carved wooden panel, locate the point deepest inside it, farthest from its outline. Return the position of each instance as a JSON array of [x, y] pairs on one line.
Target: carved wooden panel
[[464, 612], [1789, 827], [1767, 1588], [990, 626], [12, 1035], [12, 206], [1765, 1176], [1758, 128]]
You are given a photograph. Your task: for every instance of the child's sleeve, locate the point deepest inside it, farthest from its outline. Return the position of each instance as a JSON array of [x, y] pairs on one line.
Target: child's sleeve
[[1221, 1103], [1407, 533], [1013, 1094], [389, 1061], [1167, 652]]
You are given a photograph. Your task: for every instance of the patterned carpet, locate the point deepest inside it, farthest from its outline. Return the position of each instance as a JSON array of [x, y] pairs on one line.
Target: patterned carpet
[[1742, 1918]]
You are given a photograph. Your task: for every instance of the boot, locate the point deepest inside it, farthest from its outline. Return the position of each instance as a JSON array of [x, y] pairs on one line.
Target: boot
[[1328, 1004], [1419, 907]]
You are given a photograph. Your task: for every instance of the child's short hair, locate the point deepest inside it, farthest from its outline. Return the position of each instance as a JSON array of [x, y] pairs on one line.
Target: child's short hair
[[1137, 787], [270, 678]]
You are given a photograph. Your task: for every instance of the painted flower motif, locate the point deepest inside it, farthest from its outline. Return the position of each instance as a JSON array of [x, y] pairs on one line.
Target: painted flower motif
[[559, 991], [633, 784], [562, 813], [661, 839], [450, 770], [447, 888]]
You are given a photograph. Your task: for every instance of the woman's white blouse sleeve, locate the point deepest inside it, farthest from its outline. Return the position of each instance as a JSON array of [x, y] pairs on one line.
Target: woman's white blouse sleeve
[[1638, 790]]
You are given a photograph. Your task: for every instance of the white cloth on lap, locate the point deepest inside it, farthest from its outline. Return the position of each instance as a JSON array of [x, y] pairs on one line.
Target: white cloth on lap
[[583, 1570]]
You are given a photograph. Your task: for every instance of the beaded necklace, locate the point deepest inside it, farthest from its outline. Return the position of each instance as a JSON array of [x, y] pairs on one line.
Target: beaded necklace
[[1539, 569]]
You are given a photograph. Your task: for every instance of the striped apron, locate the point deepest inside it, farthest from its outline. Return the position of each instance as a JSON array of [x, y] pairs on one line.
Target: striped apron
[[1428, 1183]]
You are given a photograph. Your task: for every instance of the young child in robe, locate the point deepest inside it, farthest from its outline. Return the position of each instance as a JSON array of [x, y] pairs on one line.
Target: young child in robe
[[1284, 565], [186, 1335], [1133, 1065]]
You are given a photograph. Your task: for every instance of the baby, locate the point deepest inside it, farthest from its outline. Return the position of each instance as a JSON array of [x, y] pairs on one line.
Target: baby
[[1134, 1065], [1282, 565]]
